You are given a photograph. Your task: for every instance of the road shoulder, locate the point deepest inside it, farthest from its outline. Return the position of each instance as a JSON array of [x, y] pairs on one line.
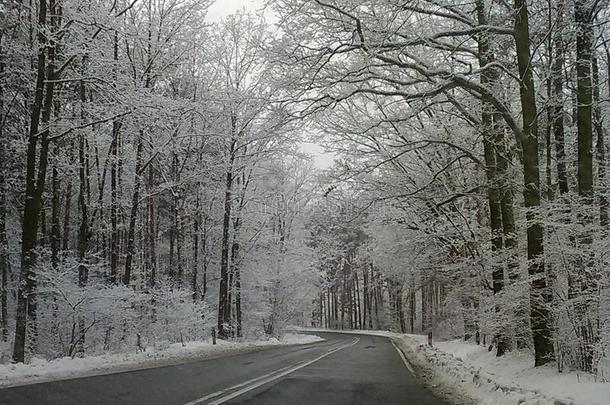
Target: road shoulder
[[429, 376]]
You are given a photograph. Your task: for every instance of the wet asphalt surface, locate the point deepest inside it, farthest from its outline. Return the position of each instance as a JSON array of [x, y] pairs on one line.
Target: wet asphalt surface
[[361, 369]]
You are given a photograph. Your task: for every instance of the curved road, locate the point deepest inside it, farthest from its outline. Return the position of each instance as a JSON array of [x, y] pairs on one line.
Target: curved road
[[344, 369]]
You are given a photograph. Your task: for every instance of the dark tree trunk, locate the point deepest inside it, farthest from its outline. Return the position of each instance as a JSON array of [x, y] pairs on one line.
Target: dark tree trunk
[[195, 264], [558, 100], [171, 272], [358, 303], [400, 313], [586, 280], [235, 295], [83, 203], [55, 213], [343, 301], [365, 298], [83, 232], [539, 295], [4, 246], [177, 225], [328, 305], [115, 238], [151, 230], [492, 139], [237, 275], [65, 243], [584, 100], [41, 112], [412, 310], [224, 303], [376, 300], [179, 232], [369, 298], [135, 202], [204, 251], [335, 306], [600, 146], [424, 309], [347, 291]]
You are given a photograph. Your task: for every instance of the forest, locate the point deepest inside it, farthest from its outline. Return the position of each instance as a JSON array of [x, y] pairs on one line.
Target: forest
[[154, 183]]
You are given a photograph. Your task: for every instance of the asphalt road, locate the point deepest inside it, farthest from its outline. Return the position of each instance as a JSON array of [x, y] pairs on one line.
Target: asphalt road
[[344, 369]]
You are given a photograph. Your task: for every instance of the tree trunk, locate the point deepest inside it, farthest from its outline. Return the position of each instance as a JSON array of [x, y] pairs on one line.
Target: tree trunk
[[539, 295], [115, 238], [584, 101], [492, 138], [335, 306], [195, 264], [237, 275], [412, 310], [358, 303], [235, 295], [83, 231], [135, 202], [600, 146], [65, 244], [558, 100], [4, 246], [151, 230], [328, 308], [179, 231], [365, 303], [223, 294], [370, 297], [55, 212], [424, 309], [41, 112], [204, 251], [586, 279]]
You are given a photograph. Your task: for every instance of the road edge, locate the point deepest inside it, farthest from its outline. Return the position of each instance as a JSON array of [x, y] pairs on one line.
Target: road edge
[[429, 377]]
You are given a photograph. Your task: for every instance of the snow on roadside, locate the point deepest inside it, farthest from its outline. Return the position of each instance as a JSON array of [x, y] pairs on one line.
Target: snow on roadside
[[383, 333], [40, 370], [509, 380], [462, 372]]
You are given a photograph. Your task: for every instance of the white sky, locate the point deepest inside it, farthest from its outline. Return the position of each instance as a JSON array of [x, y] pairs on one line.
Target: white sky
[[321, 159], [222, 8]]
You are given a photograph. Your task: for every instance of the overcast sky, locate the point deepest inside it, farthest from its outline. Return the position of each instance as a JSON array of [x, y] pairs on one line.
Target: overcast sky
[[222, 8]]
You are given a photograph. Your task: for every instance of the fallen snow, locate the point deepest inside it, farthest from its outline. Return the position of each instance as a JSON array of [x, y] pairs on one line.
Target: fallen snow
[[40, 370], [465, 373], [511, 379], [383, 333]]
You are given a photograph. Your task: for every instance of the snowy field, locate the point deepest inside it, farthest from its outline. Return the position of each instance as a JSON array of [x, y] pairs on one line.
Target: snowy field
[[40, 370], [468, 372]]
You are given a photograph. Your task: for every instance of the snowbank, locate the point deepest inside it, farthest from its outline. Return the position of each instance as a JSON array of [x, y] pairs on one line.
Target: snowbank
[[40, 370], [465, 373], [510, 380]]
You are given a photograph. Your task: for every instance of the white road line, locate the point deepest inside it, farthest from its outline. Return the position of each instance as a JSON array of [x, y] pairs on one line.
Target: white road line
[[224, 391], [402, 356], [262, 380]]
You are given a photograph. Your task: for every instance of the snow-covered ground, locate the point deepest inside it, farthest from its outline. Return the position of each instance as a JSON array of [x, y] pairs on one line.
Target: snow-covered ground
[[509, 380], [465, 372], [40, 370]]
